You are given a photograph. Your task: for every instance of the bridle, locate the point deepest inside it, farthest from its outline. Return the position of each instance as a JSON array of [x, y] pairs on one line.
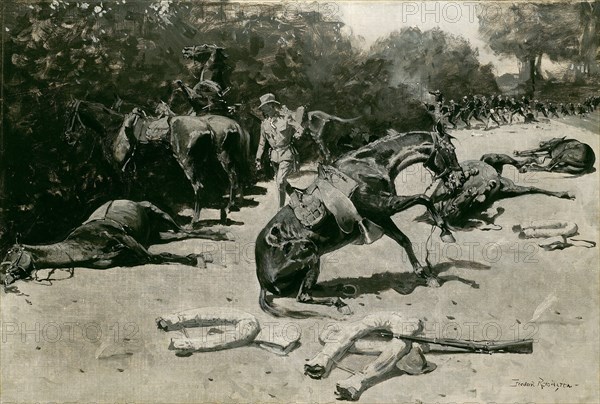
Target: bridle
[[74, 118], [17, 272], [441, 148], [16, 268]]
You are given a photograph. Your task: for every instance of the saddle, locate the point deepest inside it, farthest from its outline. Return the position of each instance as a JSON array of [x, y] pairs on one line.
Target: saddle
[[152, 130], [331, 192]]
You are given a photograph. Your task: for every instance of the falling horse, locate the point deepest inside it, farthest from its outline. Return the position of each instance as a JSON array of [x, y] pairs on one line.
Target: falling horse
[[484, 186], [118, 233], [566, 156], [201, 146], [351, 201]]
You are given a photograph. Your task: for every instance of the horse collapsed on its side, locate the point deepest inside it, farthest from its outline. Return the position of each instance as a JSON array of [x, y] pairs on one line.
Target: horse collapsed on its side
[[118, 233], [485, 186], [351, 201], [568, 156]]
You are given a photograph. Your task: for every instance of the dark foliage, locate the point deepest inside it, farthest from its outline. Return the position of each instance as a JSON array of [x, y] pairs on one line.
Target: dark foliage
[[57, 51]]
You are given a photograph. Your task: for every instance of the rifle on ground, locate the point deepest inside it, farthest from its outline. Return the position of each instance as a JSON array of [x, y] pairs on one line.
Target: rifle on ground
[[522, 346]]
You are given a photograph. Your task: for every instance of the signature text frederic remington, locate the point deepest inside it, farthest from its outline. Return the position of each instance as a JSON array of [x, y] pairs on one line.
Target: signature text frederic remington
[[543, 384]]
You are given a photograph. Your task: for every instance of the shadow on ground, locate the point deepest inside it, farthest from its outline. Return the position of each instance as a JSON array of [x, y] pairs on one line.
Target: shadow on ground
[[402, 282]]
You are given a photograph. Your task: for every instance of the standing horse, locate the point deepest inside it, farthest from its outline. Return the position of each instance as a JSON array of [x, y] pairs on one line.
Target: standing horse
[[566, 156], [200, 145], [118, 233], [288, 250]]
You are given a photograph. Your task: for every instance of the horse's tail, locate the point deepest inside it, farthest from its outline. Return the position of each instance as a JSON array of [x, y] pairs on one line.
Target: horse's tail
[[269, 307], [328, 117], [244, 142], [244, 149]]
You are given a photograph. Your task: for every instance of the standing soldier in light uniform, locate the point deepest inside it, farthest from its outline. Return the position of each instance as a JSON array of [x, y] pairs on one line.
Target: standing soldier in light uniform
[[278, 129]]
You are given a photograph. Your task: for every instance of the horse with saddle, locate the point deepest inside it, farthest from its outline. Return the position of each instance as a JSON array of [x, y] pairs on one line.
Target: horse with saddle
[[206, 148], [351, 201]]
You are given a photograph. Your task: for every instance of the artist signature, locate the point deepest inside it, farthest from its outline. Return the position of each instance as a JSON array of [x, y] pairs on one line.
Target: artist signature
[[543, 384]]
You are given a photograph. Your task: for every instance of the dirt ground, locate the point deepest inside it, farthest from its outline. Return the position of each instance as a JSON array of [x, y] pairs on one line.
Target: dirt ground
[[93, 338]]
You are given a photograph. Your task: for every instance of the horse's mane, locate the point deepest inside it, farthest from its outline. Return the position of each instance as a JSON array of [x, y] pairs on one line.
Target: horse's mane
[[414, 137]]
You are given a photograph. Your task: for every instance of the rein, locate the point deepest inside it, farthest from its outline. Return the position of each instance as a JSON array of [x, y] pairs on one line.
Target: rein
[[33, 275], [39, 281], [75, 117]]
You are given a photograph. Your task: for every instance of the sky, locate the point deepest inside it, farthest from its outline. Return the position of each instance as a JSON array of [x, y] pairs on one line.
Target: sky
[[375, 19]]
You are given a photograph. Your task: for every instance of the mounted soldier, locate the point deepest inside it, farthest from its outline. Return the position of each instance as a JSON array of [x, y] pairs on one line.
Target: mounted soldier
[[208, 95]]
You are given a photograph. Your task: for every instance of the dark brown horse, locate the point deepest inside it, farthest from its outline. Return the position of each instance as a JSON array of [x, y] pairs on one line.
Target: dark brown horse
[[202, 146], [485, 185], [288, 251], [566, 156], [118, 233]]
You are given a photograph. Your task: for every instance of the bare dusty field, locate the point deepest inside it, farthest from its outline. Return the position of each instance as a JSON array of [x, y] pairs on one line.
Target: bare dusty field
[[93, 338]]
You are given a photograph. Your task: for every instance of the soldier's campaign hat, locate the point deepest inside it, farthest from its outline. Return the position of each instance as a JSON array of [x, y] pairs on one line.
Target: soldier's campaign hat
[[267, 99]]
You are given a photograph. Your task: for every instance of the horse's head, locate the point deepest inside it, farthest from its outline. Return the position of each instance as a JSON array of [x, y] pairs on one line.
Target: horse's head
[[201, 53], [443, 161], [551, 144], [162, 109], [84, 114], [17, 264]]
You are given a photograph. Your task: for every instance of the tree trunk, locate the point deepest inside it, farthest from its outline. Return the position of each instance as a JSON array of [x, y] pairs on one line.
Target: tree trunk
[[531, 68], [538, 67]]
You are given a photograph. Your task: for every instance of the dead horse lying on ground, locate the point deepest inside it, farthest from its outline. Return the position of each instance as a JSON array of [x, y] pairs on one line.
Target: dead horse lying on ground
[[288, 251], [566, 156], [118, 233], [485, 185]]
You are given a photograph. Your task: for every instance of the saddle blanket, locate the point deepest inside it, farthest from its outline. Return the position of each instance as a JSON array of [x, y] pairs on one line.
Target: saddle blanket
[[152, 130], [331, 192]]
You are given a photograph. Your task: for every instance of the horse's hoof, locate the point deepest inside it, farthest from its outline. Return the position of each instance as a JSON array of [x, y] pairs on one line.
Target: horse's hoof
[[197, 260], [345, 310], [206, 257], [234, 208], [433, 282], [447, 237]]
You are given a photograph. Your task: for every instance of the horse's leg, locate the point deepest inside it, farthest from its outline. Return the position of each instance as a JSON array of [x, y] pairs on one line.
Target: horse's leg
[[188, 170], [227, 165], [498, 161], [510, 189], [374, 205], [393, 232], [555, 162], [559, 167], [169, 258], [380, 207], [166, 237], [197, 204], [168, 230], [305, 295]]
